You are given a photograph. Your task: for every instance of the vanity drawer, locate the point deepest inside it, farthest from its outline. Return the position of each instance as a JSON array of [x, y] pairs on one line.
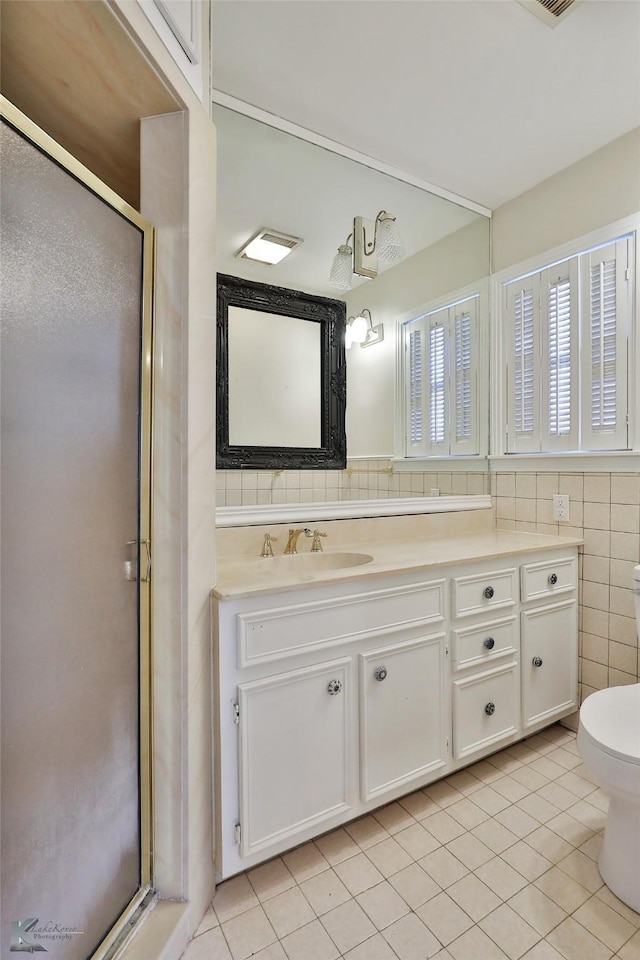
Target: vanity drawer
[[486, 591], [294, 628], [485, 709], [472, 646], [544, 580]]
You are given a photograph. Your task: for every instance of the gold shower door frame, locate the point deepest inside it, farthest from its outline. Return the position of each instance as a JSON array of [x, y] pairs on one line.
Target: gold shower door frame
[[123, 925]]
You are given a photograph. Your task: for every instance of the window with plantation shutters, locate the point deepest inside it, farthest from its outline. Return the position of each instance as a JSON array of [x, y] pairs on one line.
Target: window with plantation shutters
[[440, 381], [566, 330]]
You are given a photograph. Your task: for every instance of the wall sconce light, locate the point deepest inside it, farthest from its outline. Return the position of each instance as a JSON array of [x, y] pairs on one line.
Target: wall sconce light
[[374, 241], [360, 329]]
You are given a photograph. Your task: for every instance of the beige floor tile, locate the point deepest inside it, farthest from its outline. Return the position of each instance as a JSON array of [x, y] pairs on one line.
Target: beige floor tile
[[511, 789], [474, 897], [270, 879], [547, 768], [542, 951], [549, 844], [410, 939], [470, 851], [419, 805], [416, 840], [501, 878], [631, 949], [208, 946], [537, 807], [557, 795], [442, 793], [604, 923], [529, 778], [325, 891], [490, 800], [518, 821], [393, 818], [485, 771], [569, 829], [209, 921], [443, 867], [273, 952], [305, 862], [580, 786], [288, 911], [612, 901], [511, 933], [310, 943], [358, 874], [366, 832], [414, 886], [475, 945], [248, 933], [504, 762], [537, 909], [564, 757], [593, 846], [495, 835], [525, 860], [583, 870], [233, 897], [444, 918], [348, 925], [468, 813], [560, 888], [376, 948], [443, 826], [589, 815], [576, 943], [464, 782], [388, 857], [337, 846], [382, 904]]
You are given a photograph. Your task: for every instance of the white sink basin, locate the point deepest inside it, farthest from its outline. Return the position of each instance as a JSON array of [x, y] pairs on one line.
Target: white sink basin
[[309, 562]]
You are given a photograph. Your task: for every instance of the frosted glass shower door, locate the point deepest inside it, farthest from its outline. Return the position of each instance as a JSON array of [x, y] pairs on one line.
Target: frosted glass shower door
[[74, 468]]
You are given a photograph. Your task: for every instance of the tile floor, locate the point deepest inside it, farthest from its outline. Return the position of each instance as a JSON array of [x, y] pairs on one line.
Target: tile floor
[[496, 861]]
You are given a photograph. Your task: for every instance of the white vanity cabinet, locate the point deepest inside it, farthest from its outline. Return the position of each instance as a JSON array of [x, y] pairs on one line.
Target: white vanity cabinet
[[333, 699]]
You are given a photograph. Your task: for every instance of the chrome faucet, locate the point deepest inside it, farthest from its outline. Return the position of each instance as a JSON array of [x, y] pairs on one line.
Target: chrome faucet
[[292, 542]]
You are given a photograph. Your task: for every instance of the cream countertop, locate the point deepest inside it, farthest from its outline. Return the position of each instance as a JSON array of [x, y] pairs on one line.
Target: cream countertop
[[250, 575]]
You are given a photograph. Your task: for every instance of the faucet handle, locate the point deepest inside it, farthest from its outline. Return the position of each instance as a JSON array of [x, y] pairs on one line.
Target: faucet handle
[[267, 549], [316, 546]]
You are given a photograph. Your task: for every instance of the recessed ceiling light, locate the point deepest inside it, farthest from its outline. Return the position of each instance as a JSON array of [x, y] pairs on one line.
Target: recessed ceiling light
[[268, 246]]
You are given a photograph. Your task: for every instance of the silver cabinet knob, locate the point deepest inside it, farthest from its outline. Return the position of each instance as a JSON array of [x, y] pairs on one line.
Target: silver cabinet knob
[[553, 578], [537, 661], [489, 643], [335, 686], [488, 592], [490, 709], [380, 673]]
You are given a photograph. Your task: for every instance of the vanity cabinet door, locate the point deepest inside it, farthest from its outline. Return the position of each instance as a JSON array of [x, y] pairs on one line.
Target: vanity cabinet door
[[293, 755], [401, 714], [549, 661]]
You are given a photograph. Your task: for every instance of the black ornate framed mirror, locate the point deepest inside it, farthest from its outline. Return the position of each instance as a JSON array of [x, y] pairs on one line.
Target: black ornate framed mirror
[[281, 378]]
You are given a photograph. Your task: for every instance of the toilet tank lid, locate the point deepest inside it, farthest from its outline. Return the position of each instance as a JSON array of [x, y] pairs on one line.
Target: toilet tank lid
[[611, 718]]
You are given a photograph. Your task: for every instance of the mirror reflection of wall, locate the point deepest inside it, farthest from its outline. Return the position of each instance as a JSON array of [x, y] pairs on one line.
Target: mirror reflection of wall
[[271, 179]]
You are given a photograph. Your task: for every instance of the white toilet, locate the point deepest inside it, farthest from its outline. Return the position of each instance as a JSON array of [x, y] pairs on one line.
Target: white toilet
[[609, 743]]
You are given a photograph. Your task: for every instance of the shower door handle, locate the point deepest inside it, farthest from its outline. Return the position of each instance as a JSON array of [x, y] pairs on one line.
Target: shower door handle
[[131, 566]]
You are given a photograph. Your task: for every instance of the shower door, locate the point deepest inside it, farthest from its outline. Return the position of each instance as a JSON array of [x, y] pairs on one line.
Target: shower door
[[75, 562]]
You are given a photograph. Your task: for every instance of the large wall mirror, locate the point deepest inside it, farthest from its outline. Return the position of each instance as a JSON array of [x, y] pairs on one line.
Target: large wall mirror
[[280, 378], [271, 179]]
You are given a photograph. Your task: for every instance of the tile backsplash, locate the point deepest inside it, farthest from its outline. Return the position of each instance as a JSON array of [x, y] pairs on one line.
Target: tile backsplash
[[604, 509]]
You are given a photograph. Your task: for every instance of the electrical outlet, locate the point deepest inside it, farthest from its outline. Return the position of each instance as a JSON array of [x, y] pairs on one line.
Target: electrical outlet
[[561, 507], [434, 492]]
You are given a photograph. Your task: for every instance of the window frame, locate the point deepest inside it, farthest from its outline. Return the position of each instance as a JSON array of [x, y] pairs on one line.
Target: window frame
[[562, 459]]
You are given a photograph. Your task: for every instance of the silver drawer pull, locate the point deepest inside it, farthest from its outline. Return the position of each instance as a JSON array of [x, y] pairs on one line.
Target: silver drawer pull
[[553, 578], [489, 643], [380, 673], [335, 686], [537, 661], [488, 592], [490, 709]]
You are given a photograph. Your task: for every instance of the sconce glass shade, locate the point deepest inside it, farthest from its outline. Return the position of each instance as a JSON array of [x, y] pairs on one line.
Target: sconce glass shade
[[388, 241], [341, 271], [359, 327]]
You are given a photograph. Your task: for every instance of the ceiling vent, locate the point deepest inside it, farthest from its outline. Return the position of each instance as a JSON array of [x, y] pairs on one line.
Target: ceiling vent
[[551, 12], [268, 246]]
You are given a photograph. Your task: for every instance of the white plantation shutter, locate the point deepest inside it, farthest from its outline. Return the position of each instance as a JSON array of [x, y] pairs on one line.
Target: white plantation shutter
[[415, 392], [464, 376], [523, 362], [437, 406], [605, 330], [559, 333]]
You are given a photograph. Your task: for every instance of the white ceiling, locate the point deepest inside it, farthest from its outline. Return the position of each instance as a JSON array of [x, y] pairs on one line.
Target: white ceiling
[[476, 96]]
